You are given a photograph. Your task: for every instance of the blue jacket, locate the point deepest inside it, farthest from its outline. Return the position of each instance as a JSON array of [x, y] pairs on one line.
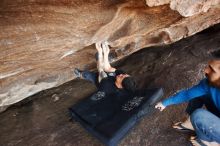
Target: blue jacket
[[203, 88]]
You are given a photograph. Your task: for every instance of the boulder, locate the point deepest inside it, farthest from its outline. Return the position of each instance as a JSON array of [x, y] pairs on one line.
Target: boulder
[[152, 3], [42, 41], [186, 8]]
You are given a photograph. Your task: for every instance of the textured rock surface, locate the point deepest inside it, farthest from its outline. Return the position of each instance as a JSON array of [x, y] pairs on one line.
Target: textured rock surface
[[186, 8], [190, 7], [42, 41], [42, 120], [152, 3]]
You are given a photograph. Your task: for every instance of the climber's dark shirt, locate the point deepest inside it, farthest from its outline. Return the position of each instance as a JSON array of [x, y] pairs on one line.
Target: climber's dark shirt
[[108, 86]]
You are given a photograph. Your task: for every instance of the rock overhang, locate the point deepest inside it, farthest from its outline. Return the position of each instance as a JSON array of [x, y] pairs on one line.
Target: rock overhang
[[42, 41]]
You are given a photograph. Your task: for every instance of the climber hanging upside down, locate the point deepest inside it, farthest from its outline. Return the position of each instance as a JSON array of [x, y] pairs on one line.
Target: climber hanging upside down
[[108, 79]]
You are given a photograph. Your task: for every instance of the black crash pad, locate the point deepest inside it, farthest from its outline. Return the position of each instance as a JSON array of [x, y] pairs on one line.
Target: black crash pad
[[110, 117]]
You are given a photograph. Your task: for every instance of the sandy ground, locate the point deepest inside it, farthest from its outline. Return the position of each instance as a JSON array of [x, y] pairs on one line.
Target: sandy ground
[[42, 119]]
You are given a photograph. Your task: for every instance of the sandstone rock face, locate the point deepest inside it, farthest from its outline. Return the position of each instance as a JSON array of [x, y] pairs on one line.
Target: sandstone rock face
[[41, 41], [152, 3], [190, 7], [186, 8]]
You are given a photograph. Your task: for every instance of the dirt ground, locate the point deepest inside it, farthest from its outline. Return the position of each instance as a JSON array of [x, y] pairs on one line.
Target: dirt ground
[[43, 120]]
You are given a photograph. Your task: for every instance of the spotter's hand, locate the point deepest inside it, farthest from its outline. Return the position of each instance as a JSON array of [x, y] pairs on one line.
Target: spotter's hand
[[160, 106]]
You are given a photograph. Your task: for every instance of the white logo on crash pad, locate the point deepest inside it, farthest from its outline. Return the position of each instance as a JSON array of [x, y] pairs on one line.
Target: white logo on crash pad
[[97, 96], [131, 104]]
